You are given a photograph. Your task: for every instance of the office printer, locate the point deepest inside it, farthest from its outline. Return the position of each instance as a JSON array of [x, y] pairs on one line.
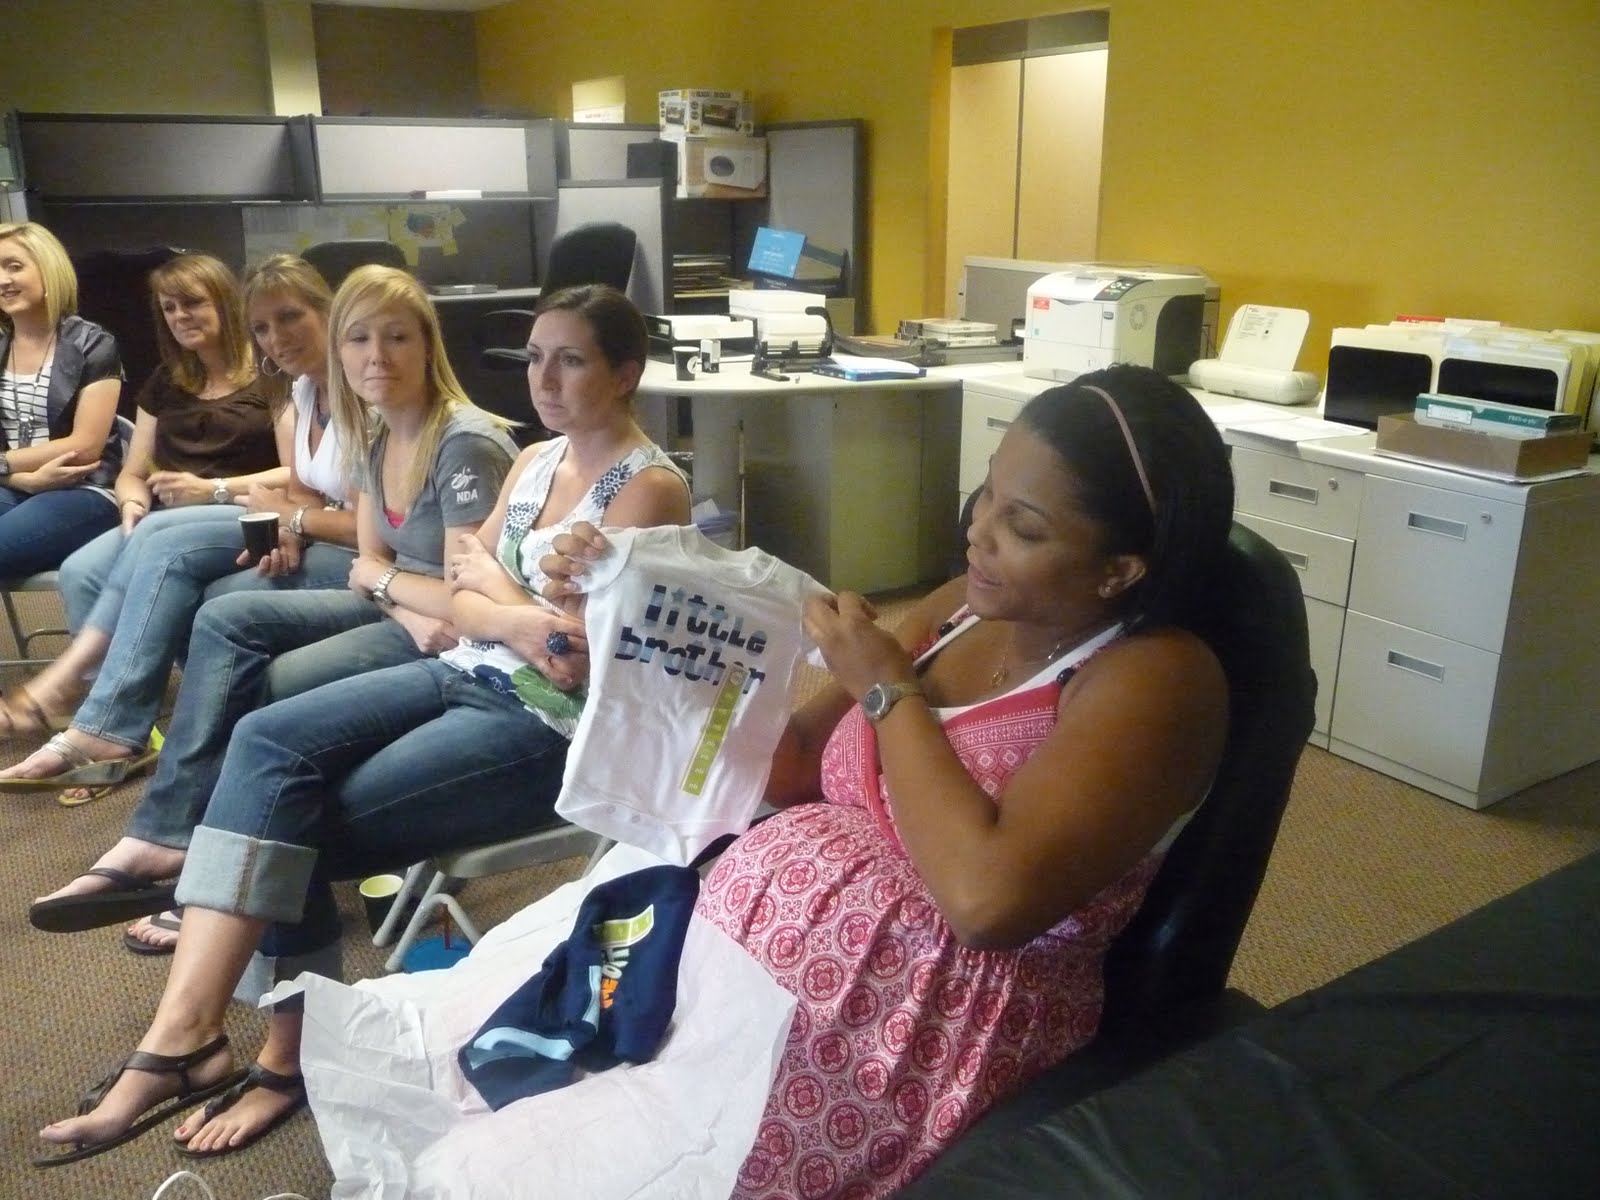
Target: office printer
[[1092, 315]]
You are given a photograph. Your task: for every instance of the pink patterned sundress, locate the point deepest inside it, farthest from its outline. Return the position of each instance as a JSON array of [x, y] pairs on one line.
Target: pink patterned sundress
[[902, 1037]]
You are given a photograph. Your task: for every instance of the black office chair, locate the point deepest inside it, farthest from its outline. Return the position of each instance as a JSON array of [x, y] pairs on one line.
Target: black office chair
[[1166, 973], [335, 260], [600, 252], [500, 382], [114, 292]]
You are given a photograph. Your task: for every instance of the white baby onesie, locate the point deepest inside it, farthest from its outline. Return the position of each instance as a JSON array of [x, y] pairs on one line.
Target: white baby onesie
[[692, 657]]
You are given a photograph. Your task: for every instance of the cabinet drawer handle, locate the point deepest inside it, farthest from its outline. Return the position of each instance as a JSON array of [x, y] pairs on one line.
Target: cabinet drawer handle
[[997, 423], [1417, 666], [1292, 491], [1444, 528], [1300, 562]]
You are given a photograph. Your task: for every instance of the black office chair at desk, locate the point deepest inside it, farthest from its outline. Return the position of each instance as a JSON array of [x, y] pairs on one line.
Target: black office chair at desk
[[1166, 973], [335, 260], [599, 252]]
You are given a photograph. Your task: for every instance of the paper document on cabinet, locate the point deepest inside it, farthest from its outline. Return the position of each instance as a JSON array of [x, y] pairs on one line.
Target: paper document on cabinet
[[1295, 430]]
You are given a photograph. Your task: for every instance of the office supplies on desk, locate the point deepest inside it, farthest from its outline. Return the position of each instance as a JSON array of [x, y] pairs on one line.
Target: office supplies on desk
[[1258, 357], [857, 367]]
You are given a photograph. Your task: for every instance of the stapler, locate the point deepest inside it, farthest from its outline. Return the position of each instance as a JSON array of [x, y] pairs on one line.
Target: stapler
[[772, 359]]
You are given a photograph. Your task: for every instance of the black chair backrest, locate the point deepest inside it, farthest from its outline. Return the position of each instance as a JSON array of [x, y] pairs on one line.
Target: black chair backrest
[[496, 377], [114, 292], [600, 252], [1180, 944], [335, 260]]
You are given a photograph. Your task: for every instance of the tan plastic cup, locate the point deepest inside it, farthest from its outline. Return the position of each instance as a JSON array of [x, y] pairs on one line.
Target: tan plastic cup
[[377, 894]]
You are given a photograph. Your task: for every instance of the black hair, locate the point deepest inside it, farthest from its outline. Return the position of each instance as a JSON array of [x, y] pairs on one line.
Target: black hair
[[618, 328], [1181, 528]]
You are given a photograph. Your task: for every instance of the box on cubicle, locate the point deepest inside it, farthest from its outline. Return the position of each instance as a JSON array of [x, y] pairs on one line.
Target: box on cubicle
[[685, 111], [722, 168]]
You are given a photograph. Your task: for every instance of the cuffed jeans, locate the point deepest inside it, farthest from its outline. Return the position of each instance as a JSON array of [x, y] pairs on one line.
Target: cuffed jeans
[[37, 532], [94, 577], [358, 776], [249, 649], [174, 568]]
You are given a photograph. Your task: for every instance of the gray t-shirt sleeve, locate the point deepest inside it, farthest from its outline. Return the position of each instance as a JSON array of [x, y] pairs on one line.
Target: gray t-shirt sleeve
[[462, 488]]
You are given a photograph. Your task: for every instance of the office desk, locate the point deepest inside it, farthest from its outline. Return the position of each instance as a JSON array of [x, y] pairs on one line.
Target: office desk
[[854, 483], [1464, 1065]]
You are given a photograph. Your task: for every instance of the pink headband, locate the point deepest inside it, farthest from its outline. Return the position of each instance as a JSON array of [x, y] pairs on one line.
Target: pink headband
[[1127, 436]]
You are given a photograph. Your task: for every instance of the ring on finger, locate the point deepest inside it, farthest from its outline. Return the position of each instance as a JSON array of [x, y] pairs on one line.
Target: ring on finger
[[557, 643]]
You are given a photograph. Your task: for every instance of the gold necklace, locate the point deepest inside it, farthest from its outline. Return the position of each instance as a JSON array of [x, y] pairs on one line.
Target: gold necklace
[[1004, 669]]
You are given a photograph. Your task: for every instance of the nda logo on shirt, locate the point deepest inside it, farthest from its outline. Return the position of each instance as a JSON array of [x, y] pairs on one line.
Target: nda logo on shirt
[[464, 484]]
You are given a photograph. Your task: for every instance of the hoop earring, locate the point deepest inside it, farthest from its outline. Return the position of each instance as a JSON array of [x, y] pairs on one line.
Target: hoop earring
[[269, 362]]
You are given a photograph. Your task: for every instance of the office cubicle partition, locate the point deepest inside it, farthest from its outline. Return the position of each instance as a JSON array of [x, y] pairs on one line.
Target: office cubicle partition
[[598, 151], [641, 205], [97, 157], [817, 185], [381, 158]]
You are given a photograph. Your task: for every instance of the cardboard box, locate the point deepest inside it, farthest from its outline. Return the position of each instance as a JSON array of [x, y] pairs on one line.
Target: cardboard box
[[682, 111], [722, 168], [1483, 453]]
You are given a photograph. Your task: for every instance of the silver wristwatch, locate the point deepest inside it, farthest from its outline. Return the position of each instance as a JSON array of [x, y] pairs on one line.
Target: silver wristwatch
[[297, 525], [380, 590], [220, 493], [881, 697]]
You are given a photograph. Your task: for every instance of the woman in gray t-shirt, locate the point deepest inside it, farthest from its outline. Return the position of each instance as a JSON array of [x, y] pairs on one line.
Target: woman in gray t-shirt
[[430, 466]]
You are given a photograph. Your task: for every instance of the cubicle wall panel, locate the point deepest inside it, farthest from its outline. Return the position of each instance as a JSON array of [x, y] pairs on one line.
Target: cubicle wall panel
[[82, 228], [598, 151], [131, 158], [640, 204], [816, 184], [360, 158]]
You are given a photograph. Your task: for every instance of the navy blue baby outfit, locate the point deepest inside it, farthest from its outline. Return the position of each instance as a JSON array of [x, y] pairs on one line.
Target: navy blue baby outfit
[[603, 996]]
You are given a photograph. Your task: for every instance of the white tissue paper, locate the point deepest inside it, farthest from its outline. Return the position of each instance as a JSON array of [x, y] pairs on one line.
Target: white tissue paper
[[398, 1119]]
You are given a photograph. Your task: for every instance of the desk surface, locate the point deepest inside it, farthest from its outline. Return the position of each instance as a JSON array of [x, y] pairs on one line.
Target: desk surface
[[1463, 1066], [734, 379]]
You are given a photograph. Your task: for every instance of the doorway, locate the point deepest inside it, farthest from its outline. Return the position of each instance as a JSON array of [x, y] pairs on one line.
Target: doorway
[[1027, 110]]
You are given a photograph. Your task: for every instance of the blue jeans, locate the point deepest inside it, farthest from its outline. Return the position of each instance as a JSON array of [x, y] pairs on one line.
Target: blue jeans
[[248, 649], [38, 532], [94, 578], [174, 568], [359, 776]]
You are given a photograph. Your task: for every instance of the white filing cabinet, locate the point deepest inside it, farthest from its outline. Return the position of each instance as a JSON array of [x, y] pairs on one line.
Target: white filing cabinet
[[1451, 616], [1310, 512], [1469, 665]]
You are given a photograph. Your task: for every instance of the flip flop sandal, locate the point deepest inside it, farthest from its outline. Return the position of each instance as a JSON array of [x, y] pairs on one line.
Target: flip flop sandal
[[74, 796], [256, 1077], [171, 921], [127, 899], [19, 700], [84, 771], [158, 1110]]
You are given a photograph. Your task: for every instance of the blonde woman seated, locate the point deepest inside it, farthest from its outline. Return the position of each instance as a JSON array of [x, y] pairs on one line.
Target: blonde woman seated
[[182, 565], [388, 767], [60, 378], [203, 436], [429, 466]]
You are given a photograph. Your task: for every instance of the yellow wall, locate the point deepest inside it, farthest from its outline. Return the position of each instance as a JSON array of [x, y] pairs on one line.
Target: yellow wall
[[1353, 157], [206, 57], [1416, 157]]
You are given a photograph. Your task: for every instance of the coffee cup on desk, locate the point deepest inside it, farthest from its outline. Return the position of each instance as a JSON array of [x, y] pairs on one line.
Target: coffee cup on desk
[[260, 533], [687, 361]]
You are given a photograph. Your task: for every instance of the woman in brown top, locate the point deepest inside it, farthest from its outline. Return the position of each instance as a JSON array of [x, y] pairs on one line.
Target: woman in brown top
[[203, 435]]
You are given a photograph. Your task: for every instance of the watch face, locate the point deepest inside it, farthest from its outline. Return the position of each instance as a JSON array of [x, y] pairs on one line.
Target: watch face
[[876, 702]]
